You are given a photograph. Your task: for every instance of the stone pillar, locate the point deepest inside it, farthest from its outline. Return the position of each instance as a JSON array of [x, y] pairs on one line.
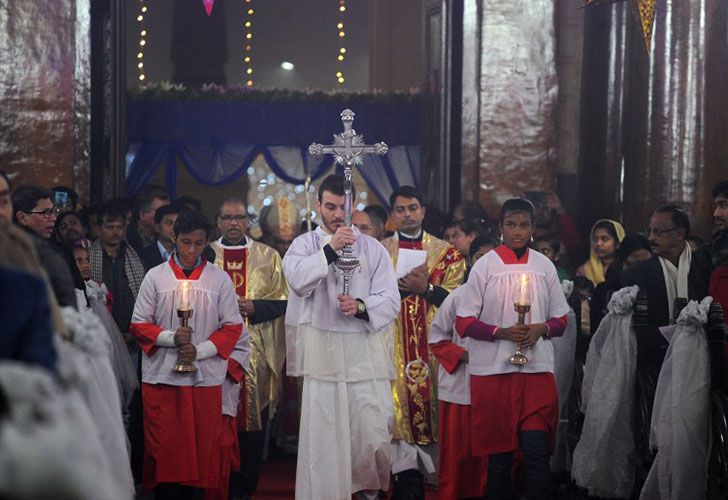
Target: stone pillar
[[44, 92], [509, 99], [601, 114], [569, 59]]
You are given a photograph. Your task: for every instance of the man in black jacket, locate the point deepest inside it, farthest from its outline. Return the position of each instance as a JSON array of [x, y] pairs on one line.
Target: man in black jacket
[[672, 272], [141, 232], [159, 252]]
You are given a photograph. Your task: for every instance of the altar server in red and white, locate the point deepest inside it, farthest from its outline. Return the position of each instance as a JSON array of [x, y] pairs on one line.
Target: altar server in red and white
[[182, 411], [513, 406], [462, 475]]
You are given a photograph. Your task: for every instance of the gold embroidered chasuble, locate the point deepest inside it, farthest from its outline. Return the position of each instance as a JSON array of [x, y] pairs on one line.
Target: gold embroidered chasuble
[[415, 398], [257, 274]]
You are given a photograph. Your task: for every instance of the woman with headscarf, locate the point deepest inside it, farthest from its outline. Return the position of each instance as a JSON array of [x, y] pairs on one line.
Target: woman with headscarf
[[605, 237]]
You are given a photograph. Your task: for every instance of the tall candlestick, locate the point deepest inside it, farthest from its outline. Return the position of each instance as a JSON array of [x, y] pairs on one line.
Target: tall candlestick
[[523, 294], [522, 305], [184, 313], [184, 304]]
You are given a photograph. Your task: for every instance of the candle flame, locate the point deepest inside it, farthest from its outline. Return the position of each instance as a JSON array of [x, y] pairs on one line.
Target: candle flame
[[523, 295], [185, 300]]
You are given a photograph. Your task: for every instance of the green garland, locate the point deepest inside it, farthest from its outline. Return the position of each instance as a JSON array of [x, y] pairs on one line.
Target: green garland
[[166, 91]]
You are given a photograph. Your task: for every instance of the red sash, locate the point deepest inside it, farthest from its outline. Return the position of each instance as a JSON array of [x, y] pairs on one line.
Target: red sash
[[235, 263], [413, 318]]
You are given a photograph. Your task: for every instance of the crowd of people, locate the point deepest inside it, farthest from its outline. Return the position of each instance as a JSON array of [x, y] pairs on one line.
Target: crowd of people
[[410, 379]]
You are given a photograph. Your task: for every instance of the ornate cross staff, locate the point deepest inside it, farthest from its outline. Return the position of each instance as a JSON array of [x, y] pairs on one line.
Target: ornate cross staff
[[348, 150]]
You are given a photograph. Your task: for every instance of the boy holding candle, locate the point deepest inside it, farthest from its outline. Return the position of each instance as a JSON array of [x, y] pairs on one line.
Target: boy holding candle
[[514, 404], [182, 417]]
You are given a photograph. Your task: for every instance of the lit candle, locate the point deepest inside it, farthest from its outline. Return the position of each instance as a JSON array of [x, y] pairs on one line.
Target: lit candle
[[185, 300], [522, 298]]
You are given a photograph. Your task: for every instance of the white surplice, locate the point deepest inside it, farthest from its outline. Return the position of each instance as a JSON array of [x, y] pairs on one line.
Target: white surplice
[[347, 410]]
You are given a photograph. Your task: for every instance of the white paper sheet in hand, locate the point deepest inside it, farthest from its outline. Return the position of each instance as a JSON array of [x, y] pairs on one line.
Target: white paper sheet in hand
[[408, 259]]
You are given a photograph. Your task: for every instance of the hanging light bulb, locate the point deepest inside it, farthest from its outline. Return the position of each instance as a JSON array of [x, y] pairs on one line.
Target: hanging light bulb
[[248, 12], [342, 34], [142, 41]]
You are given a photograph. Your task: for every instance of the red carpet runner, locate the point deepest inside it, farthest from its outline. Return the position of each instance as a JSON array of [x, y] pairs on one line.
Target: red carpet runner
[[278, 480]]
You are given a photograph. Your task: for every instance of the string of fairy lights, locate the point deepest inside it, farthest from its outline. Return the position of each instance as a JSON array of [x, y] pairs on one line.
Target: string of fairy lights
[[248, 33], [248, 13], [342, 49], [142, 41]]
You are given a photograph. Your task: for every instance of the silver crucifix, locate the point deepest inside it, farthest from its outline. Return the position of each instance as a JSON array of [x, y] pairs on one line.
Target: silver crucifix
[[348, 150]]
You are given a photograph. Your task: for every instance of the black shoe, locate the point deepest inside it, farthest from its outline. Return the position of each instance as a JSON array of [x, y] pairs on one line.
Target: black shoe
[[408, 485]]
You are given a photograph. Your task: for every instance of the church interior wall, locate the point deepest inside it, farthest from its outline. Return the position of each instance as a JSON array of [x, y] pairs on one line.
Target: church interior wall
[[44, 92]]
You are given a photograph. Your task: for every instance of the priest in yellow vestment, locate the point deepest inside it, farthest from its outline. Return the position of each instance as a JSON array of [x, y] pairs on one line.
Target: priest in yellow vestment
[[438, 269], [262, 292]]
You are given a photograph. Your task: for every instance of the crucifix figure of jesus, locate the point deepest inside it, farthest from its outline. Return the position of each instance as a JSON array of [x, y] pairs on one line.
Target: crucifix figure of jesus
[[348, 150]]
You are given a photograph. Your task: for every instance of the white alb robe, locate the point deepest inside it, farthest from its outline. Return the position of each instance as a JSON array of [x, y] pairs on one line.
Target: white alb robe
[[347, 411]]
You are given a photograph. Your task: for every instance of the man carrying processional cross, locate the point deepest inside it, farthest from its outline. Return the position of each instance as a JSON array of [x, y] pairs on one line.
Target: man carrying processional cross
[[339, 339]]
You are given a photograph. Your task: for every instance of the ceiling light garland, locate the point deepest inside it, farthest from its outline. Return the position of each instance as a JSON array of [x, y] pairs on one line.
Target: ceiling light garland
[[248, 42], [142, 41], [342, 50]]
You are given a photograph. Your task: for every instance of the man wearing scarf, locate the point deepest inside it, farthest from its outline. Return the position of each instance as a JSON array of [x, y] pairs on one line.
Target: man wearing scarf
[[671, 273], [422, 291]]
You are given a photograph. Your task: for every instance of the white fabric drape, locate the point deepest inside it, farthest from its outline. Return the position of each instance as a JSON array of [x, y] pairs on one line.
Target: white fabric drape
[[564, 358], [601, 458], [49, 444], [680, 428], [85, 365], [400, 167]]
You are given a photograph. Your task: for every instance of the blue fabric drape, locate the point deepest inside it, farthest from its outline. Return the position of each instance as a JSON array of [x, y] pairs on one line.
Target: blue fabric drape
[[213, 142]]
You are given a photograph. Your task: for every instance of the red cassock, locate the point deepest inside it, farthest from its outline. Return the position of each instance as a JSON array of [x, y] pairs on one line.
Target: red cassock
[[719, 291], [182, 430], [505, 404], [229, 444], [462, 475]]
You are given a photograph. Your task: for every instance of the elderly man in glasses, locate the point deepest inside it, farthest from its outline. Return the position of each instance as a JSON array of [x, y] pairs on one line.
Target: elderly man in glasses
[[33, 210], [256, 272], [673, 272]]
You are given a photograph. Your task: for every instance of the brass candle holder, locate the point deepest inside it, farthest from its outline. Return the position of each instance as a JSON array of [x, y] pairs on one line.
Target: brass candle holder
[[183, 305], [522, 305], [184, 316], [518, 358]]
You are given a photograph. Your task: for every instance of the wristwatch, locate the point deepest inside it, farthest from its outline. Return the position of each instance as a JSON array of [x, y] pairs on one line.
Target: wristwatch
[[360, 307]]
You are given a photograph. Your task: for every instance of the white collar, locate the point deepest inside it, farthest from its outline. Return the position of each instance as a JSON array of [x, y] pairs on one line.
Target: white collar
[[235, 247], [412, 237]]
